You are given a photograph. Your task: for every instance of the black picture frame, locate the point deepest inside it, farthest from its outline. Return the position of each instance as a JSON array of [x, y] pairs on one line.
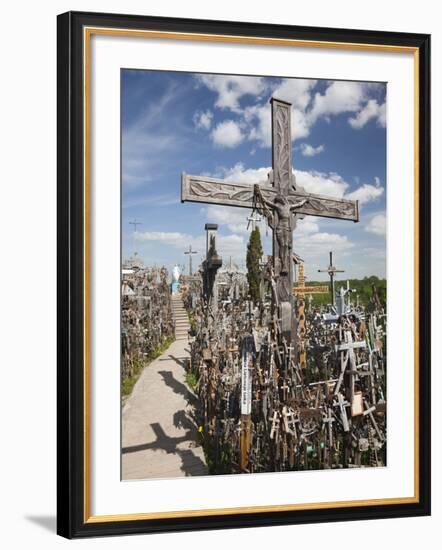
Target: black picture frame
[[72, 515]]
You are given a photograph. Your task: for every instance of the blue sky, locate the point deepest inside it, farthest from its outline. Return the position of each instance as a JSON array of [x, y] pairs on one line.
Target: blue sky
[[219, 125]]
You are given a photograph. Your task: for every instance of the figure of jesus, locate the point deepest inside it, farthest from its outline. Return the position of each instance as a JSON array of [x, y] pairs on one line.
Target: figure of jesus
[[281, 221]]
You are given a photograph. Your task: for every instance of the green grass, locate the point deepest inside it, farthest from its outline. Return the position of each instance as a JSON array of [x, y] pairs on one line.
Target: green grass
[[363, 288], [129, 382], [192, 321], [191, 380]]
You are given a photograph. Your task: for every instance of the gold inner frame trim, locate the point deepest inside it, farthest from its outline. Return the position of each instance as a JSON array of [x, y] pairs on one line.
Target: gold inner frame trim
[[87, 34], [266, 41]]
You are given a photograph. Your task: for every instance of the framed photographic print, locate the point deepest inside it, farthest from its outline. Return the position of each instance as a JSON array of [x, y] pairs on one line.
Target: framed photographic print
[[243, 274]]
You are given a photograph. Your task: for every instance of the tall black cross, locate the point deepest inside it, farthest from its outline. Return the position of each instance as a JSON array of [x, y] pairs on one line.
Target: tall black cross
[[331, 270], [190, 252], [278, 199]]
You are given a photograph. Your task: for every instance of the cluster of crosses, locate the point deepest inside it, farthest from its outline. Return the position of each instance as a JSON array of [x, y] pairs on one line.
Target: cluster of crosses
[[282, 202]]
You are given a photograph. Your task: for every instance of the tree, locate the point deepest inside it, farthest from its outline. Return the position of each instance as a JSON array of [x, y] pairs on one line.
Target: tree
[[254, 253]]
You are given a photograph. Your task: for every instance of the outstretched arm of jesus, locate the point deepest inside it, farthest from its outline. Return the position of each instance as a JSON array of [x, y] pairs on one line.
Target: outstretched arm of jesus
[[298, 204], [265, 201]]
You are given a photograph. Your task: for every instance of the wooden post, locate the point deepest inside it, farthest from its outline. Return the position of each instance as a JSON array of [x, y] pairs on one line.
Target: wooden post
[[246, 425], [301, 317], [300, 291], [246, 400]]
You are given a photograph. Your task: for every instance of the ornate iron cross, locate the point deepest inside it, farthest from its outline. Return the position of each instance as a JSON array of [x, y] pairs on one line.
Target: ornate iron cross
[[280, 199]]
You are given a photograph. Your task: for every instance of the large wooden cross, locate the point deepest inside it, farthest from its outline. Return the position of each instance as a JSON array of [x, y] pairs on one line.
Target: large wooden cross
[[278, 199]]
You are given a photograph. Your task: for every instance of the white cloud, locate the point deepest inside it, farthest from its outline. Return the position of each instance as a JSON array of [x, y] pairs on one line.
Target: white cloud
[[296, 91], [330, 184], [300, 125], [230, 89], [313, 247], [324, 241], [174, 238], [241, 174], [227, 245], [227, 134], [371, 110], [377, 224], [308, 150], [231, 245], [339, 97], [367, 192], [307, 226], [259, 123], [307, 106], [234, 218], [203, 119], [349, 97]]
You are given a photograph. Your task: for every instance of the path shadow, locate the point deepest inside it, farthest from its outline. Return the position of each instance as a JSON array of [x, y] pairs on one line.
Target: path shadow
[[47, 522], [190, 463], [178, 387], [162, 441], [183, 361], [186, 420]]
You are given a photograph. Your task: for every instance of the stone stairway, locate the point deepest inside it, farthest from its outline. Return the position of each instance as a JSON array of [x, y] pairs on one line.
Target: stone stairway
[[180, 317]]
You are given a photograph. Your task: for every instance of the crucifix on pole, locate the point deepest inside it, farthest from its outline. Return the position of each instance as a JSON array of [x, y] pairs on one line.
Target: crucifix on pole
[[190, 252], [135, 223], [331, 270], [253, 220], [279, 199]]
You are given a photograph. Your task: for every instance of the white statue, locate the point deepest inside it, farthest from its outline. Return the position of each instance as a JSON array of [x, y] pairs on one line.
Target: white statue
[[176, 274]]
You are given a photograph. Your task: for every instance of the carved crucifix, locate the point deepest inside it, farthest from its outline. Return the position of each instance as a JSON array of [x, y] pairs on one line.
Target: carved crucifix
[[280, 198]]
